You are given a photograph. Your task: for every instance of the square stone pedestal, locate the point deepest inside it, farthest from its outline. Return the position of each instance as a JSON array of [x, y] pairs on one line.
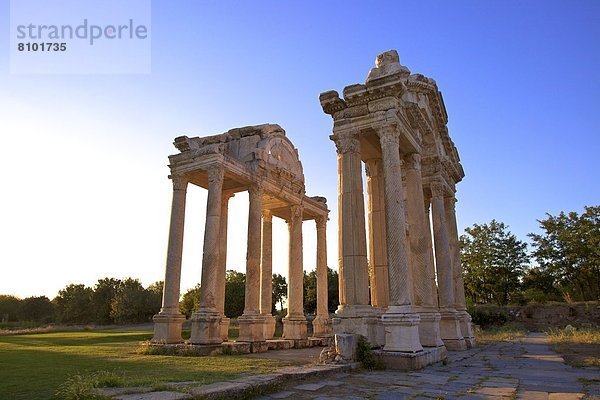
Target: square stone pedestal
[[401, 330], [322, 327], [360, 320], [206, 328], [269, 326], [429, 329], [450, 331], [295, 328], [224, 328], [251, 328], [466, 328], [167, 328], [410, 361]]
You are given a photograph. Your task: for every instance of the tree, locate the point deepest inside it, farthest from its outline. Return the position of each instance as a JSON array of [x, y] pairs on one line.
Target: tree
[[9, 308], [279, 290], [310, 292], [569, 251], [104, 292], [74, 304], [538, 285], [38, 309], [154, 294], [235, 293], [190, 302], [333, 297], [129, 304], [494, 261]]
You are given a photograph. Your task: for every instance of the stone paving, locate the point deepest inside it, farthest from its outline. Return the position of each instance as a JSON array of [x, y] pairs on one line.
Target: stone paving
[[527, 369], [524, 369]]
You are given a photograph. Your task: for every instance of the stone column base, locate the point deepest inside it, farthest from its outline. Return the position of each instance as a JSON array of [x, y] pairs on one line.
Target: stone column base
[[251, 328], [450, 331], [360, 320], [167, 328], [295, 328], [429, 329], [401, 330], [466, 328], [206, 328], [322, 326], [268, 326], [411, 361], [224, 328]]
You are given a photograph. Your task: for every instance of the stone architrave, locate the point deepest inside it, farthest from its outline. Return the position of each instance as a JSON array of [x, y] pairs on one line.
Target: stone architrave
[[378, 268], [266, 274], [422, 266], [449, 324], [206, 321], [168, 322], [459, 287], [400, 319], [224, 324], [251, 322], [322, 324], [294, 323]]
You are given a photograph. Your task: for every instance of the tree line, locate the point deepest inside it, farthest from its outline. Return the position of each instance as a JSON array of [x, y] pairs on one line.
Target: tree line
[[115, 301], [563, 265]]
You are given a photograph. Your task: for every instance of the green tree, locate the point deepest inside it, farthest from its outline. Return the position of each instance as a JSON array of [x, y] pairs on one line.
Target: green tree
[[38, 309], [310, 292], [235, 293], [104, 292], [538, 285], [129, 304], [333, 297], [190, 302], [569, 251], [279, 290], [9, 307], [154, 294], [494, 261], [74, 304]]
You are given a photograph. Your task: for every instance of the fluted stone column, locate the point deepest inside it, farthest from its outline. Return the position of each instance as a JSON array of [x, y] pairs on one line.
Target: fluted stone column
[[206, 321], [266, 274], [251, 323], [353, 269], [322, 324], [294, 323], [433, 283], [400, 320], [459, 286], [167, 323], [380, 292], [449, 324], [422, 265], [224, 324]]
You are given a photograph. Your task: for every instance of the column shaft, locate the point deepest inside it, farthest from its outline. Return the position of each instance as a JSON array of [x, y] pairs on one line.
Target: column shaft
[[251, 323], [206, 321], [266, 274], [294, 324], [220, 292], [377, 242], [400, 320], [322, 323], [353, 268], [168, 322]]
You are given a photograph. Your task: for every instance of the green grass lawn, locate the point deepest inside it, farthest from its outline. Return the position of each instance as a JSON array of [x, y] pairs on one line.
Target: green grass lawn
[[34, 366]]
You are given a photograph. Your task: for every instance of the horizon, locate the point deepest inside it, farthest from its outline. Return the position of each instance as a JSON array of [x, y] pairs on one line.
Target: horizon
[[83, 160]]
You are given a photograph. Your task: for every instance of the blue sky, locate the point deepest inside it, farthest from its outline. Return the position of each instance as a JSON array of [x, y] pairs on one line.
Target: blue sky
[[83, 157]]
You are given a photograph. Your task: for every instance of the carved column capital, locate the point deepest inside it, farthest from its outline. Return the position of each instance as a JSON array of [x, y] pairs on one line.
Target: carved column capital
[[255, 190], [267, 215], [321, 222], [374, 167], [179, 182], [347, 144], [413, 161], [295, 214], [388, 135], [216, 175], [437, 189]]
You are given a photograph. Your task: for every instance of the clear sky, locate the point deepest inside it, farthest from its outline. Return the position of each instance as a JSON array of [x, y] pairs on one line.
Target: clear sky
[[83, 158]]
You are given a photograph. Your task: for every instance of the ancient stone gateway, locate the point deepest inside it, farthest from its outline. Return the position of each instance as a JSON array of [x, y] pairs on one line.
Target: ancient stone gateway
[[396, 124], [262, 160]]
